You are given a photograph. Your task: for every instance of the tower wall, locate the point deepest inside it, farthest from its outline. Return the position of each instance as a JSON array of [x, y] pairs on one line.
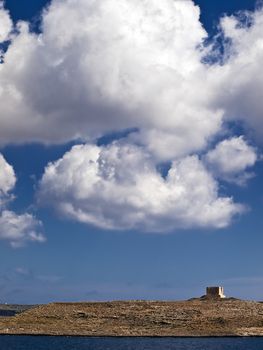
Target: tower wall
[[215, 292]]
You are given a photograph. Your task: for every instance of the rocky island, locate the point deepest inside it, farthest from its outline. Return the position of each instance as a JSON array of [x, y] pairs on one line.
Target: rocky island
[[205, 316], [140, 318]]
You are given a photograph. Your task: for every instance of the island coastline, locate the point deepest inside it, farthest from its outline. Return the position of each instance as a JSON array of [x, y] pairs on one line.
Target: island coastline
[[192, 318]]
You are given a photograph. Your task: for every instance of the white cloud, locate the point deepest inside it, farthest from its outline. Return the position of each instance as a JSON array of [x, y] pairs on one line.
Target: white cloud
[[240, 79], [110, 65], [118, 187], [5, 23], [7, 181], [230, 159], [17, 229]]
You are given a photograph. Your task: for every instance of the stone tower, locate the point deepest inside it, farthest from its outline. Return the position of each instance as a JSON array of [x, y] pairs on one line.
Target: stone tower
[[215, 292]]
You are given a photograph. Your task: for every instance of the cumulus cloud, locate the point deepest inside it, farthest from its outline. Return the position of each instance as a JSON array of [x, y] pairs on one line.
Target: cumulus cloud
[[118, 187], [240, 81], [110, 65], [106, 65], [17, 229], [5, 23], [230, 159]]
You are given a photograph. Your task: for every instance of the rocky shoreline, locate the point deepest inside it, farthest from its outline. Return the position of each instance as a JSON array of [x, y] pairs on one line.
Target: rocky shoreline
[[193, 318]]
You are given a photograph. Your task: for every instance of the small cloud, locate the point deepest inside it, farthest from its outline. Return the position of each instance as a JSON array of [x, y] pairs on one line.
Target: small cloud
[[22, 271], [14, 228], [231, 158], [20, 229]]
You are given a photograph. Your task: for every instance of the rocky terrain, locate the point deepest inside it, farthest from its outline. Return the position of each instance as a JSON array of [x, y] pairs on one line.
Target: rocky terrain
[[226, 317]]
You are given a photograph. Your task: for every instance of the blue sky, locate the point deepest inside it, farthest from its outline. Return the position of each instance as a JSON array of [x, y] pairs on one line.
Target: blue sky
[[84, 214]]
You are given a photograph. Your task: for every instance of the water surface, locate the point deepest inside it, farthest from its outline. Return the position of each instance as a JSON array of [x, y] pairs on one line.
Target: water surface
[[82, 343]]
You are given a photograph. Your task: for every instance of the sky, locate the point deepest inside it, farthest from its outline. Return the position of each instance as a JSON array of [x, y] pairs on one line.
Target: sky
[[130, 149]]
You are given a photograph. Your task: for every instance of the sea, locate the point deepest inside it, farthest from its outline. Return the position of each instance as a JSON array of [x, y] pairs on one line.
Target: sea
[[89, 343]]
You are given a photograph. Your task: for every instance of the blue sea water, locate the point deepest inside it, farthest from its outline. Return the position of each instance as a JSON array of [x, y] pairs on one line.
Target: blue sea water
[[82, 343]]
